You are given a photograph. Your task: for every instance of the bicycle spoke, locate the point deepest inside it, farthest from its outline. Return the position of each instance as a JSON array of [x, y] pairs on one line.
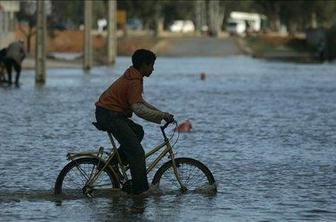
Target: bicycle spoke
[[194, 179], [190, 173], [77, 179], [93, 169], [77, 182], [83, 174]]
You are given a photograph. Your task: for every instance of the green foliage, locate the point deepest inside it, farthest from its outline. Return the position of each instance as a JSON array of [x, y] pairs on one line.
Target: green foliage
[[331, 43], [64, 10], [299, 14], [296, 14]]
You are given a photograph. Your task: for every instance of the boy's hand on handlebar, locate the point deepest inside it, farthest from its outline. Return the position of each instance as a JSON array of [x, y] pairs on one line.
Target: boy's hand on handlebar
[[169, 118]]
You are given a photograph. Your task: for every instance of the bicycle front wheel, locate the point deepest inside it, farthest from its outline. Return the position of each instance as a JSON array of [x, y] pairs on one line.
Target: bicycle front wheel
[[194, 175], [73, 180]]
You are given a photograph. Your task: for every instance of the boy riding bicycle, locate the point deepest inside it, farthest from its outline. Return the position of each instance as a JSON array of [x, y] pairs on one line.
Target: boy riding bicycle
[[114, 110]]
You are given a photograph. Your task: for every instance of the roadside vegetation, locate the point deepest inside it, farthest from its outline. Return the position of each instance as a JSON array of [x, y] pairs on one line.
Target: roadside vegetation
[[262, 45], [292, 48]]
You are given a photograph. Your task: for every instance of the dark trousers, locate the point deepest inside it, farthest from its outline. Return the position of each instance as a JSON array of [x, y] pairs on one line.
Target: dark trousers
[[9, 63], [129, 135]]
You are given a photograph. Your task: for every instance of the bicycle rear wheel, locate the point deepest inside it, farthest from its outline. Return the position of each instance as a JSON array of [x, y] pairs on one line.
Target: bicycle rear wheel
[[194, 175], [72, 181]]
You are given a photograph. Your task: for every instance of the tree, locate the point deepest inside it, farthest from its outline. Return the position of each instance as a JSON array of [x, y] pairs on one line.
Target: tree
[[298, 15], [216, 16], [65, 11], [28, 16], [272, 10]]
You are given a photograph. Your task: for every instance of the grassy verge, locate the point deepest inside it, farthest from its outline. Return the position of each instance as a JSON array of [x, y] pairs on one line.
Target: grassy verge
[[127, 45], [277, 45]]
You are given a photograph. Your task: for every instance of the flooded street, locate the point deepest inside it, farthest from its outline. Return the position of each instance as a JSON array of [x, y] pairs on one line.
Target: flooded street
[[265, 129]]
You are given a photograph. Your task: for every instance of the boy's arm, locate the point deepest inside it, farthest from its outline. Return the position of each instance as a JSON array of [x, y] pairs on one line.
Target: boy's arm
[[149, 105], [143, 109], [150, 114]]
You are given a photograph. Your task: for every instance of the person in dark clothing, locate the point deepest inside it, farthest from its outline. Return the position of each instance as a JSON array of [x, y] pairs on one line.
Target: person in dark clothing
[[2, 64], [114, 110], [12, 57]]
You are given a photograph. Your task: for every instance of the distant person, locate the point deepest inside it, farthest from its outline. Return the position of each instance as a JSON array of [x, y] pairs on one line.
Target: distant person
[[202, 75], [15, 54], [2, 64], [185, 126], [247, 28], [115, 107]]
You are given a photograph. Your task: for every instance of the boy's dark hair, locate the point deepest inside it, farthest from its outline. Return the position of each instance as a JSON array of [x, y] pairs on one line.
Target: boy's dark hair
[[142, 56]]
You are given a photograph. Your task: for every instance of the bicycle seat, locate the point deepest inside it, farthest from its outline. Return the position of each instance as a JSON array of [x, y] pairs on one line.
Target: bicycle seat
[[100, 127]]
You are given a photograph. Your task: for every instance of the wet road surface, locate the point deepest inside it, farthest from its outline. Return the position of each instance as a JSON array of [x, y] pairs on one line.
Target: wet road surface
[[265, 129]]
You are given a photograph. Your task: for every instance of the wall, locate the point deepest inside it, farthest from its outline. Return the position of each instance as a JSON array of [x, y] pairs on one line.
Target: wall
[[7, 22]]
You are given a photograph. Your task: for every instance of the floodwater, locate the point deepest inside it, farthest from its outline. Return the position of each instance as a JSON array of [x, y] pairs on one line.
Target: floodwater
[[265, 129]]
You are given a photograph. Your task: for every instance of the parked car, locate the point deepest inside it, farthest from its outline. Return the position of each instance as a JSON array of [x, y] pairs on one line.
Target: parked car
[[182, 26], [134, 24]]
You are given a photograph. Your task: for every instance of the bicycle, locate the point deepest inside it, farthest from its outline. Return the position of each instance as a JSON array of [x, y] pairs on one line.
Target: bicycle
[[88, 173]]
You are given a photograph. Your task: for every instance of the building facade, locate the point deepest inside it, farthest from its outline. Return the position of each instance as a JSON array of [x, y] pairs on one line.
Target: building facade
[[8, 21]]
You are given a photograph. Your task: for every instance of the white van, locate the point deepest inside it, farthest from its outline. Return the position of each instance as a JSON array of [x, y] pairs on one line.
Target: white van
[[236, 27]]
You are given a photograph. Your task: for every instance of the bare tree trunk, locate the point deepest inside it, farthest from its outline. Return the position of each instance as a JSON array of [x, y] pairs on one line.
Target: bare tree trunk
[[200, 14], [276, 23], [157, 20], [216, 16], [28, 35], [313, 22]]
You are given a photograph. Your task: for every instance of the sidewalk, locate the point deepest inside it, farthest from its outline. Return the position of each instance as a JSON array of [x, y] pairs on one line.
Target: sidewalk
[[193, 46], [29, 63]]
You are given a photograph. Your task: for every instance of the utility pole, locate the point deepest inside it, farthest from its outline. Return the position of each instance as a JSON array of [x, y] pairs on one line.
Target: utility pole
[[87, 63], [111, 31], [40, 53]]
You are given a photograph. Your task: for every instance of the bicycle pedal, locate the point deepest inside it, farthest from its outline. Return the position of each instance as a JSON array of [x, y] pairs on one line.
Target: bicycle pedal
[[89, 195]]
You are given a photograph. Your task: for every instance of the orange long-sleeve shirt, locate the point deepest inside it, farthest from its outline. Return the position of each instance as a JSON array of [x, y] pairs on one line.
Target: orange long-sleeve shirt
[[123, 92]]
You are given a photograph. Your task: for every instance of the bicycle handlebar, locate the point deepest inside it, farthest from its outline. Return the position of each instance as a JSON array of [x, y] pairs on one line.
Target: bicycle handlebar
[[167, 124], [164, 127]]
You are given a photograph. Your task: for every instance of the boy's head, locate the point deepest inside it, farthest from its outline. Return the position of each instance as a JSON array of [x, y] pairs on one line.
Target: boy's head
[[143, 60]]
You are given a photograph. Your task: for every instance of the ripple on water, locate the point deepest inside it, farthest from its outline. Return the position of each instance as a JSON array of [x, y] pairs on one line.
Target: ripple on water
[[265, 129]]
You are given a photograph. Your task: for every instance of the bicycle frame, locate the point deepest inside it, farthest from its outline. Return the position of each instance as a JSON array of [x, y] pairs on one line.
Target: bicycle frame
[[168, 149]]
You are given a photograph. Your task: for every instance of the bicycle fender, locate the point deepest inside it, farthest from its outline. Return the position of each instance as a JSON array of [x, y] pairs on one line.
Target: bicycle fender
[[75, 156]]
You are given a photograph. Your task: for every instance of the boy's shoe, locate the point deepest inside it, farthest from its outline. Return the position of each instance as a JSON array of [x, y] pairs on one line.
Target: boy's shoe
[[152, 190], [127, 187], [144, 194]]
